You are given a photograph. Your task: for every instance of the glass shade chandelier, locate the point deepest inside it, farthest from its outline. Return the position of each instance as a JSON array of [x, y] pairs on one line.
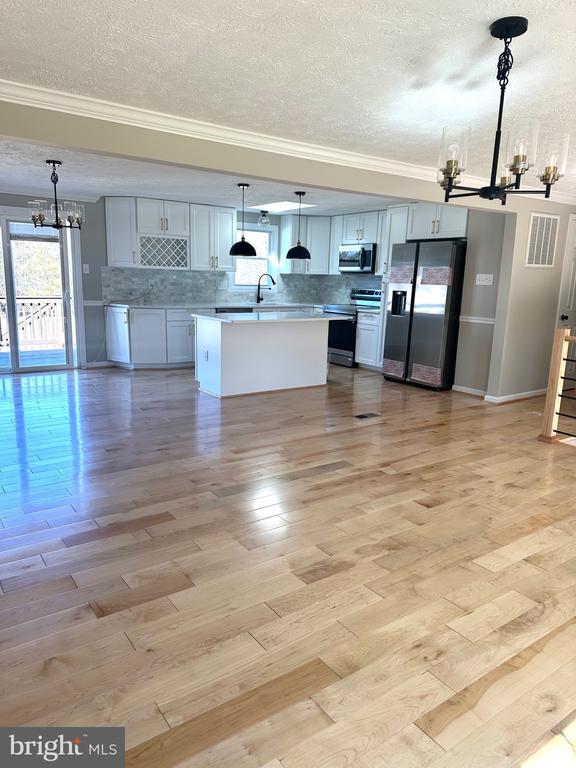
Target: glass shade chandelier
[[242, 247], [264, 220], [522, 148], [68, 214], [298, 251]]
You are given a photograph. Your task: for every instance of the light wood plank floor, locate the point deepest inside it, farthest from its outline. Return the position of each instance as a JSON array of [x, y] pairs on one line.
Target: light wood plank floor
[[361, 575]]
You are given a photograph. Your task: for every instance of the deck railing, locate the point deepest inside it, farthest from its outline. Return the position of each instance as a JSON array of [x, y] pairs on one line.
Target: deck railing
[[561, 392], [40, 322]]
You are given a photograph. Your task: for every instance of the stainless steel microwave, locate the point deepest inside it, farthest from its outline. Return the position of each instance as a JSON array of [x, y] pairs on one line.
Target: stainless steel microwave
[[357, 258]]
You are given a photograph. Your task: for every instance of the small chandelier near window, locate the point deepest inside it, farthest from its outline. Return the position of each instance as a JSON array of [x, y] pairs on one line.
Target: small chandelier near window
[[62, 215], [521, 146], [263, 221]]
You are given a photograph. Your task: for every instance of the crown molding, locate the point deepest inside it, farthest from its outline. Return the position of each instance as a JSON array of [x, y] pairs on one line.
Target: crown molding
[[99, 109], [83, 106]]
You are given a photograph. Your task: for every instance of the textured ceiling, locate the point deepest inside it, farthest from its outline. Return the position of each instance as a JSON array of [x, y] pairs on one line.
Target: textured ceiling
[[378, 77], [87, 177]]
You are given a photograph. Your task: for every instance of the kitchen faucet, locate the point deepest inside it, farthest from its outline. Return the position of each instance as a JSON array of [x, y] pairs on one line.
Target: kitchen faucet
[[259, 298]]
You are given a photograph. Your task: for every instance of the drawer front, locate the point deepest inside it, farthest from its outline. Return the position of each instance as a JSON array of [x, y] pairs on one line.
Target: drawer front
[[177, 314], [368, 318]]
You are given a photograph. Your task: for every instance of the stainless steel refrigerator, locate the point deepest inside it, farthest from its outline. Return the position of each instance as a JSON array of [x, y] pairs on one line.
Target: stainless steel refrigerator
[[423, 309]]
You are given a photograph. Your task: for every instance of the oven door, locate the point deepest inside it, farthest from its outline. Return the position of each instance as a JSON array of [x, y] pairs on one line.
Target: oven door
[[342, 342]]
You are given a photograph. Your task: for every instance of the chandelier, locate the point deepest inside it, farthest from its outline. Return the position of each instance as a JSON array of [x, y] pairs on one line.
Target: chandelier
[[522, 149], [62, 215]]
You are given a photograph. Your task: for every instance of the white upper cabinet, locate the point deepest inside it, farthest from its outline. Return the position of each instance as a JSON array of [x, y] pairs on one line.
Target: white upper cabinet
[[213, 232], [121, 241], [428, 221], [201, 256], [360, 228], [150, 216], [318, 243], [223, 236], [452, 221], [176, 219], [395, 232], [336, 231], [163, 217]]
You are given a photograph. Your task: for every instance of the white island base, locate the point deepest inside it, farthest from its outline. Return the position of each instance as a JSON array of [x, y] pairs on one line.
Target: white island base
[[238, 354]]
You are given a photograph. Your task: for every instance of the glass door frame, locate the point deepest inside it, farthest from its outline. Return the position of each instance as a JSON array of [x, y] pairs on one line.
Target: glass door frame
[[18, 216]]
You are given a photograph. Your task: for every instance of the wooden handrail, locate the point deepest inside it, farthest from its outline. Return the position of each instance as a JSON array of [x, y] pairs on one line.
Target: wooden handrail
[[562, 339]]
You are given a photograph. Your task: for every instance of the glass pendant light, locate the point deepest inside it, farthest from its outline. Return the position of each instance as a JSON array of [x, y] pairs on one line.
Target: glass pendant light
[[299, 251], [263, 221], [243, 247]]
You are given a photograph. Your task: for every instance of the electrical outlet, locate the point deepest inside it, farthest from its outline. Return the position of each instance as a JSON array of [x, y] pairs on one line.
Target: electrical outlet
[[484, 279]]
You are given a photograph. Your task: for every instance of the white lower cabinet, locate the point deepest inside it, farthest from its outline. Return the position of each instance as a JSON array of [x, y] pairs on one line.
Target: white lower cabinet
[[180, 341], [367, 334], [117, 335], [149, 337]]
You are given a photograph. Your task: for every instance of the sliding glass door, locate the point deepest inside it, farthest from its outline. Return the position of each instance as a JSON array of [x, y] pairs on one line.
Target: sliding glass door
[[35, 320]]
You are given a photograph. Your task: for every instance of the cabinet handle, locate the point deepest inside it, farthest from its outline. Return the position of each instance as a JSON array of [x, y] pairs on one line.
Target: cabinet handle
[[133, 257], [216, 260], [166, 224], [432, 226], [437, 226]]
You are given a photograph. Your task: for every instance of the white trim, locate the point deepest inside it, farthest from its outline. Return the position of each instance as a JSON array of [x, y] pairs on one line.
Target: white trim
[[469, 390], [481, 320], [84, 106], [100, 109], [103, 364], [517, 396], [567, 265]]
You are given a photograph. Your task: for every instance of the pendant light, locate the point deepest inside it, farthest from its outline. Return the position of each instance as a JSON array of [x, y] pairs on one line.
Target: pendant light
[[263, 221], [299, 251], [243, 247]]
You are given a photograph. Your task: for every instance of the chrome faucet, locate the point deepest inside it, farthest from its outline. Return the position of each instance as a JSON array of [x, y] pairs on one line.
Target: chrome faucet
[[259, 298]]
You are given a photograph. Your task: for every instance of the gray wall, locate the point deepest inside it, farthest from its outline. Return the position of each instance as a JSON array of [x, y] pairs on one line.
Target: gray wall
[[483, 256], [526, 313]]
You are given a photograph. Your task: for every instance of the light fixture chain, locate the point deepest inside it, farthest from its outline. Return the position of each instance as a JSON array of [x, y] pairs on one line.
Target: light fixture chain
[[505, 62]]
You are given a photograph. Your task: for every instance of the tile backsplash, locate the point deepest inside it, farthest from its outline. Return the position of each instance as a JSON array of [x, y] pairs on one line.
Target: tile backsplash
[[171, 287]]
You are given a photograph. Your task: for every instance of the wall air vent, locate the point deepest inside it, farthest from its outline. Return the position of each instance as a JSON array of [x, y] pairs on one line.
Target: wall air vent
[[542, 240]]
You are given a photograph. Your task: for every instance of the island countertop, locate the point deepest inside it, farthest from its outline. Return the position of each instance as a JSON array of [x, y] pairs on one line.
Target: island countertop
[[267, 317]]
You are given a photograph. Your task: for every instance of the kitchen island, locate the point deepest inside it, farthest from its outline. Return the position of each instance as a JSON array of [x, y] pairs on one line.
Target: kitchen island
[[242, 353]]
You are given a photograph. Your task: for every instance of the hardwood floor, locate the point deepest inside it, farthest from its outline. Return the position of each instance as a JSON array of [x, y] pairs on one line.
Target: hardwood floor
[[275, 581]]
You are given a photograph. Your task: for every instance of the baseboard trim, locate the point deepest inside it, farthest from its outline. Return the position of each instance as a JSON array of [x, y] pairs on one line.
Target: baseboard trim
[[479, 320], [103, 364], [469, 391], [517, 396]]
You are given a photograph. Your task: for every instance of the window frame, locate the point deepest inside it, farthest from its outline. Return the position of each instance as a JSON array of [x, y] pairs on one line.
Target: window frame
[[273, 258]]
